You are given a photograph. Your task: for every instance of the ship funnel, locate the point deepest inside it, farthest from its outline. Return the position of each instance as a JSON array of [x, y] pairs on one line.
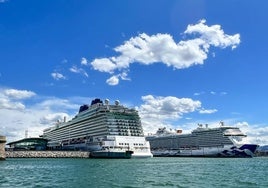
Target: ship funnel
[[64, 119], [106, 101]]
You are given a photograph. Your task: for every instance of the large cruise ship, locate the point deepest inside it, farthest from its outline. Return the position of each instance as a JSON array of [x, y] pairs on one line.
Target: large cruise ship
[[223, 141], [106, 130]]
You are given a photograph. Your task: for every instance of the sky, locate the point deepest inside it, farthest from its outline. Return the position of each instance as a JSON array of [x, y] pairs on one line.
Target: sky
[[178, 62]]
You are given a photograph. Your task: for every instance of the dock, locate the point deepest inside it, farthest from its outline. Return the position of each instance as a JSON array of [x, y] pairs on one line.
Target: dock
[[47, 154]]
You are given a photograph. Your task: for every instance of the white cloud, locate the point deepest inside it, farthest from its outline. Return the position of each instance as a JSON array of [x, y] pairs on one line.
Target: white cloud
[[213, 35], [257, 134], [55, 117], [104, 65], [58, 76], [10, 98], [161, 48], [6, 103], [199, 93], [167, 107], [114, 80], [124, 75], [84, 61], [213, 93], [34, 117], [18, 94], [77, 70], [207, 111], [55, 104], [157, 111], [242, 124]]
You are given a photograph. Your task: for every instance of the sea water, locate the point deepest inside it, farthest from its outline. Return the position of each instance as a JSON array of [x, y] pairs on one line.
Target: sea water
[[132, 173]]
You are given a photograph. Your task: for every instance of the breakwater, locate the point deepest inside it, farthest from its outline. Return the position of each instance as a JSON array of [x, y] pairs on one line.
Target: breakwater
[[2, 147], [47, 154]]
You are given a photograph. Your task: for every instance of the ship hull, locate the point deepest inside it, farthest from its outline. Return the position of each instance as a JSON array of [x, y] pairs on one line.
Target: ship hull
[[246, 150], [111, 154], [109, 147]]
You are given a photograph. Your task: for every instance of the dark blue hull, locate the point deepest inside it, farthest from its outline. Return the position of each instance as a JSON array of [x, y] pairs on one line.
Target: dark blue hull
[[246, 150], [111, 155]]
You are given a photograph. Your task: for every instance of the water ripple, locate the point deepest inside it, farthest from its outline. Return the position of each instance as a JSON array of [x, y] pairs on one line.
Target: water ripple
[[134, 173]]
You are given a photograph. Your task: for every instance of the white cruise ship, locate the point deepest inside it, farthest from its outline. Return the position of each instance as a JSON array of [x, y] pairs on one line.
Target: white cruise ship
[[106, 130], [223, 141]]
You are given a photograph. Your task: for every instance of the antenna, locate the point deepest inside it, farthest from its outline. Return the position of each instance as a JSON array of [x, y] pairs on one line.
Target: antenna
[[26, 133]]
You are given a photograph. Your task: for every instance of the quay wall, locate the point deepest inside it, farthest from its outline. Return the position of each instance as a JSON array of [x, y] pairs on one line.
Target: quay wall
[[2, 147], [47, 154]]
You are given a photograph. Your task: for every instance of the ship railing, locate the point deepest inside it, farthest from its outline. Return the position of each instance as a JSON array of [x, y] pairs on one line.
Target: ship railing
[[141, 148], [119, 148]]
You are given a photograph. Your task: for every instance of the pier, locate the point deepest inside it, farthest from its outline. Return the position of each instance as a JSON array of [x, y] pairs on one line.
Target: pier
[[47, 154], [2, 147]]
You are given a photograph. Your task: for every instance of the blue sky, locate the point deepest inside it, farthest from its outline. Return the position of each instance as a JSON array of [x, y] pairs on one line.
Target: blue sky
[[178, 62]]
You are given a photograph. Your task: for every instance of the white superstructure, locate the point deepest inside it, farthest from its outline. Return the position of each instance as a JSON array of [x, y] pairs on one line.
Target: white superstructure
[[101, 127]]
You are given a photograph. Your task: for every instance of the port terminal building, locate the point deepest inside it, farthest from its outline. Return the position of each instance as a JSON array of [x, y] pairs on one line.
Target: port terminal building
[[35, 144]]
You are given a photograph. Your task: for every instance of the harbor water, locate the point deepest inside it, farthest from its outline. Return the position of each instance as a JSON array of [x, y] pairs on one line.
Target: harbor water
[[131, 173]]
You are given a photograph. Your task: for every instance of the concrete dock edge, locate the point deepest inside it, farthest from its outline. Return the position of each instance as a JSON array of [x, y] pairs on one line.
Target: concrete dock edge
[[47, 154]]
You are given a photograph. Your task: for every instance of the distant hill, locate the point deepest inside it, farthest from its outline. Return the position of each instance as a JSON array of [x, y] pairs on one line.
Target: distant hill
[[263, 148], [262, 151]]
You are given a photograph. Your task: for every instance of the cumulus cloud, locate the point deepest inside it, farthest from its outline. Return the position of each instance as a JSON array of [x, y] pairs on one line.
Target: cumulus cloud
[[213, 35], [161, 48], [6, 103], [10, 98], [167, 107], [156, 111], [58, 76], [55, 117], [113, 80], [34, 117], [18, 94], [104, 65], [257, 134]]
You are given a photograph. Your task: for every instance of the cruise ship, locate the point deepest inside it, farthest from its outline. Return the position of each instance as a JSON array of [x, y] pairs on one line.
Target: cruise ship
[[105, 130], [222, 141]]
